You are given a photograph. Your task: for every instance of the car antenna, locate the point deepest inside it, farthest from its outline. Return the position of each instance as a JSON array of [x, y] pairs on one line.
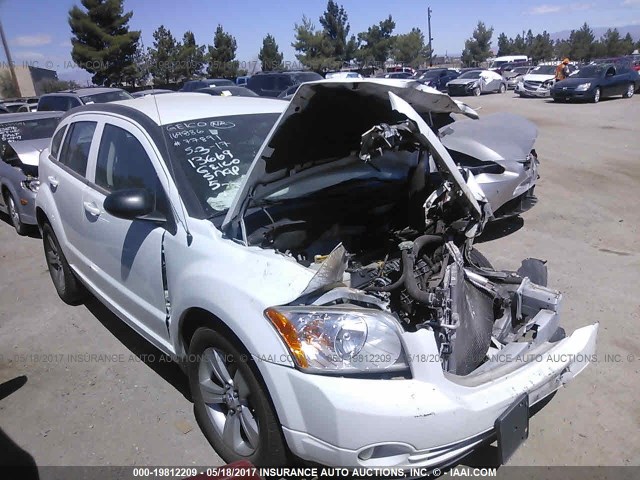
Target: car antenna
[[170, 163]]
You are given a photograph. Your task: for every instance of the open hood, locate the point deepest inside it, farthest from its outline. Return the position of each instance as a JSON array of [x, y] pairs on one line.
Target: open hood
[[325, 122], [28, 151]]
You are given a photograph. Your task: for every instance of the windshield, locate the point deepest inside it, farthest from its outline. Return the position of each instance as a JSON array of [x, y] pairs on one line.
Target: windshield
[[591, 71], [544, 70], [471, 74], [215, 154], [520, 70], [28, 129], [106, 97], [498, 63]]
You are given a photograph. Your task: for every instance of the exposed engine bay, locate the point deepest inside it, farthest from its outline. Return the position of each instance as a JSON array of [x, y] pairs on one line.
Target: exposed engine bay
[[398, 231]]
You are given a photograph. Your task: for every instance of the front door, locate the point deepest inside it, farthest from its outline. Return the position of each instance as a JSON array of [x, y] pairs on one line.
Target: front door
[[126, 254]]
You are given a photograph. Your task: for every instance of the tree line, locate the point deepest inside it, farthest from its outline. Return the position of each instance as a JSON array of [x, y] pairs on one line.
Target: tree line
[[103, 45], [581, 45]]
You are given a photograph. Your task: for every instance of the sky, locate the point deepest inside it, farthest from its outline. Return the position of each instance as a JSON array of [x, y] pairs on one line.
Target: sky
[[38, 32]]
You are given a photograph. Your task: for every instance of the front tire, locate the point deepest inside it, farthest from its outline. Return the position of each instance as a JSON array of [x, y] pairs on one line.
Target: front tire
[[630, 91], [476, 92], [230, 404], [596, 95], [69, 288], [502, 88], [20, 227]]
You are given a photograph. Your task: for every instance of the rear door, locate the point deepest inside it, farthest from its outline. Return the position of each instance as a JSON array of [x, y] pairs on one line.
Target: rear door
[[126, 255], [66, 179]]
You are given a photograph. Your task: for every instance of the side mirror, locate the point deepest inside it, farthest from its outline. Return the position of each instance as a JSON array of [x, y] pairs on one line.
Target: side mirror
[[130, 204]]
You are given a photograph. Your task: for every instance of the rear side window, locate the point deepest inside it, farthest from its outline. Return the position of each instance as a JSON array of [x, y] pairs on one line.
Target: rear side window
[[56, 142], [123, 162], [75, 150]]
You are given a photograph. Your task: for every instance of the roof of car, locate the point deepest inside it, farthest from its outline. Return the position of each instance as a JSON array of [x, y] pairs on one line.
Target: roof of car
[[185, 106], [24, 116], [81, 92]]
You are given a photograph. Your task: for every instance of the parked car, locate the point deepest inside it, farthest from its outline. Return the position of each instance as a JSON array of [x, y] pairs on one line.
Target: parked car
[[594, 82], [16, 107], [307, 267], [68, 99], [271, 84], [397, 75], [477, 82], [499, 64], [193, 85], [336, 75], [437, 77], [150, 91], [499, 150], [22, 137], [228, 91], [515, 76], [538, 82], [242, 80]]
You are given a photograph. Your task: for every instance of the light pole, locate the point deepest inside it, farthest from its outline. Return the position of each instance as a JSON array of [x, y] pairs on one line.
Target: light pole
[[430, 38], [10, 61]]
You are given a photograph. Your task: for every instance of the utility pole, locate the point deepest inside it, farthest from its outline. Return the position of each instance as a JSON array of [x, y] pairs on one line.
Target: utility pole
[[10, 61], [430, 38]]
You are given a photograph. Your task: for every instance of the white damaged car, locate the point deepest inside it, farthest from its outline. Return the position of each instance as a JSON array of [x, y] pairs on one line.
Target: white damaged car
[[317, 279], [538, 82]]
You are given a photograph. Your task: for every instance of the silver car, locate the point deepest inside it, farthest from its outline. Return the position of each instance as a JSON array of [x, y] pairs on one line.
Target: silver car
[[515, 76], [22, 137], [477, 82], [498, 150]]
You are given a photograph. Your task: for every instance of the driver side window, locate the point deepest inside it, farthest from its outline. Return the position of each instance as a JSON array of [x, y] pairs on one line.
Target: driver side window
[[123, 162]]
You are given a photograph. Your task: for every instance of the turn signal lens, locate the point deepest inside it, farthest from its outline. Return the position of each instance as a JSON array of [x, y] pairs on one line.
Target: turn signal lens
[[289, 335]]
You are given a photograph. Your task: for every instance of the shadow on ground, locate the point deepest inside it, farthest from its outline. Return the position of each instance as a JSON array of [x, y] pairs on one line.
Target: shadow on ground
[[12, 457], [499, 229], [150, 355]]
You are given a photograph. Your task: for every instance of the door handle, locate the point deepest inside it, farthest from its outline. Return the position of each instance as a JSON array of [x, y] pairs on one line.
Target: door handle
[[53, 181], [91, 208]]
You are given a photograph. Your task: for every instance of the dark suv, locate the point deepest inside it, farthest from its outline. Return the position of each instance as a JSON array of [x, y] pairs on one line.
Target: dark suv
[[271, 84], [68, 99]]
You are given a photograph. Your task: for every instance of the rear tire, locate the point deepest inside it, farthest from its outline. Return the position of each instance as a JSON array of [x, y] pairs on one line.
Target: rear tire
[[237, 417], [69, 288], [20, 227]]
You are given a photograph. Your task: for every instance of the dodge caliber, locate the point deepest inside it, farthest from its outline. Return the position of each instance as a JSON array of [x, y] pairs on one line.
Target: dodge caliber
[[313, 272]]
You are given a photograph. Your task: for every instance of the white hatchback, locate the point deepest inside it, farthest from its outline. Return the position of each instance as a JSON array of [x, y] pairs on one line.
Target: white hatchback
[[311, 265]]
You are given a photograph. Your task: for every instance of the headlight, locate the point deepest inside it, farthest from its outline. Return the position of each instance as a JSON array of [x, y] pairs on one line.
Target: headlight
[[583, 87], [33, 185], [340, 340]]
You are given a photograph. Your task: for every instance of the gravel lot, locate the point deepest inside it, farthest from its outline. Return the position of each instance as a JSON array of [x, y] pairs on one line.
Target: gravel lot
[[75, 411]]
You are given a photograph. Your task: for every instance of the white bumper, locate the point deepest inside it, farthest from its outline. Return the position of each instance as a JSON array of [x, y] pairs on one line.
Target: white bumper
[[428, 420]]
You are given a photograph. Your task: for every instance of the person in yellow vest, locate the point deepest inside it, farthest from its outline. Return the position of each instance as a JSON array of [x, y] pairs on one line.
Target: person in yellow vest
[[562, 70]]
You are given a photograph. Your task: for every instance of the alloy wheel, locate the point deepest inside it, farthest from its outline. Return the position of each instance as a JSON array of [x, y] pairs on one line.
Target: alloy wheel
[[630, 90], [227, 397], [596, 96], [53, 261]]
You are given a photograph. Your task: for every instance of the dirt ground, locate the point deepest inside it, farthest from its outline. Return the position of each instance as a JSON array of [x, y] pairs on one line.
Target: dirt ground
[[66, 408]]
